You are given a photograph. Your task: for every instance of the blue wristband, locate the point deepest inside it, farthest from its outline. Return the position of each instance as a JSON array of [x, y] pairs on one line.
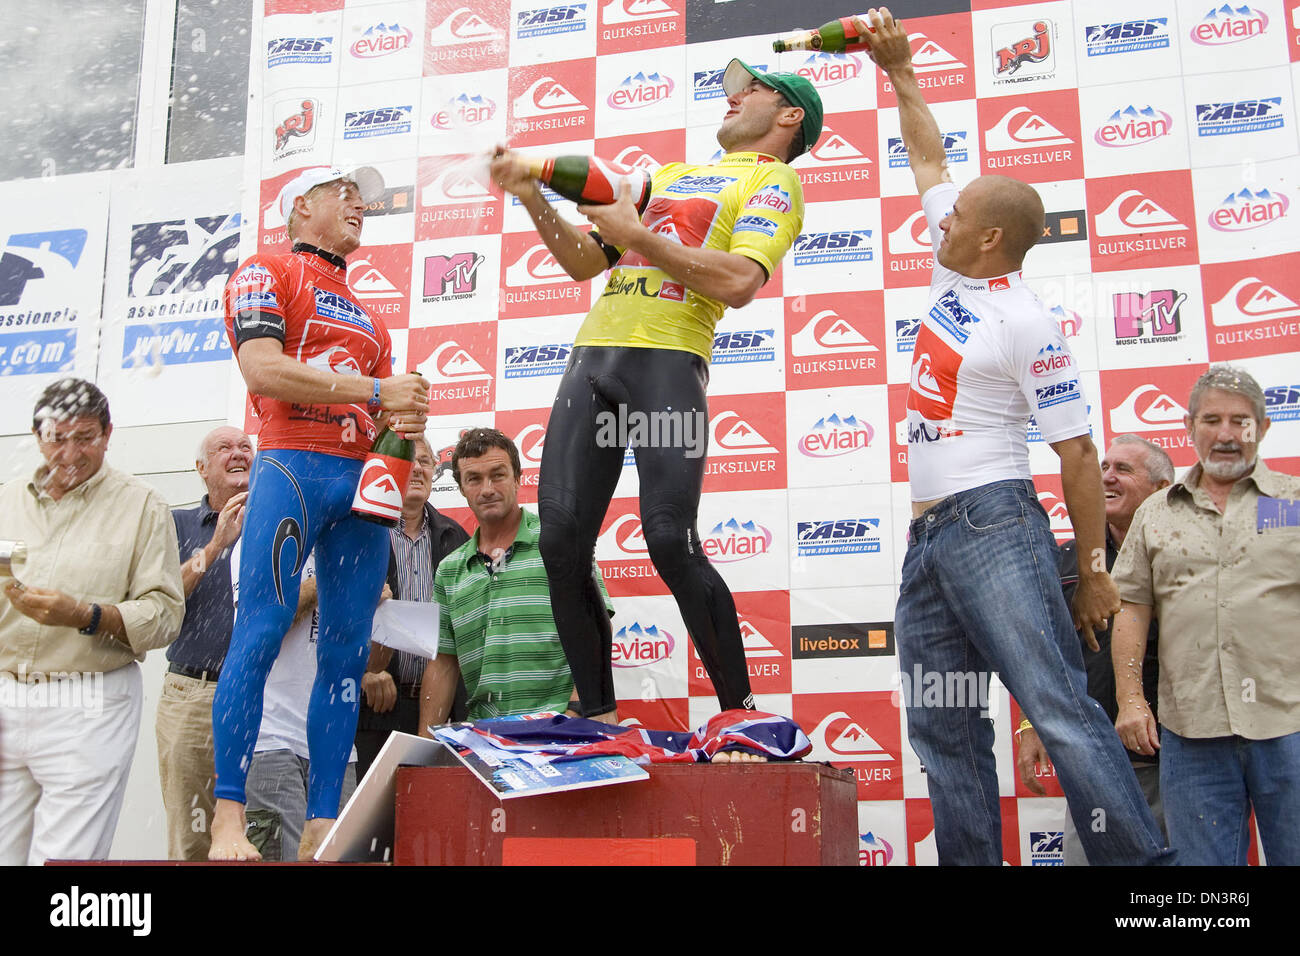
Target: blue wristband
[[373, 405]]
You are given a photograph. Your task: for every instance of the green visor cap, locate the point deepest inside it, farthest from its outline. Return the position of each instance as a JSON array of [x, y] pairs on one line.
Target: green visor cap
[[792, 86]]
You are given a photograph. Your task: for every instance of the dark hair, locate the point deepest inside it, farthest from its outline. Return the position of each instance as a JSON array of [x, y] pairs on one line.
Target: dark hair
[[70, 398], [797, 146], [475, 442]]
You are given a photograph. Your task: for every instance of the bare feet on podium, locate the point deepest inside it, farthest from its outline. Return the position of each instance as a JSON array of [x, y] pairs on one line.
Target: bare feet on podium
[[738, 756], [314, 832], [228, 839]]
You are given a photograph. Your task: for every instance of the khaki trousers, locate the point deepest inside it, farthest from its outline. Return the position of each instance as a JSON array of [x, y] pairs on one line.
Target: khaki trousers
[[184, 732]]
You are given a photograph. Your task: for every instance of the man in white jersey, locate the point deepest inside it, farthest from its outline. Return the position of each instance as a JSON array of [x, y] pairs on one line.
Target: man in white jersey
[[979, 587]]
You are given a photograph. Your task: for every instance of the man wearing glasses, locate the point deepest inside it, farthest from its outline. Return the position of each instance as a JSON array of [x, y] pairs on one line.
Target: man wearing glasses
[[1214, 558], [101, 586]]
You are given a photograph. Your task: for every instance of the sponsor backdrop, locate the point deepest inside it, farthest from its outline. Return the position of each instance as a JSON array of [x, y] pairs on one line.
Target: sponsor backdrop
[[1161, 134]]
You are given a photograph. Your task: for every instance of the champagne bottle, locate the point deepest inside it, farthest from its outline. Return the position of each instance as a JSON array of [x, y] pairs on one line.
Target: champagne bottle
[[834, 37], [384, 475], [13, 557], [590, 180]]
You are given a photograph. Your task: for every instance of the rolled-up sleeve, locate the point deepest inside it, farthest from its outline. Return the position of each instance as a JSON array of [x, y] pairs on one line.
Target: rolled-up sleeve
[[155, 602], [1132, 571]]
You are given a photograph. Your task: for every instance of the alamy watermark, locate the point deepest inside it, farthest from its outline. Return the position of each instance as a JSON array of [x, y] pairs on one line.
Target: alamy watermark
[[688, 430], [70, 690], [949, 689]]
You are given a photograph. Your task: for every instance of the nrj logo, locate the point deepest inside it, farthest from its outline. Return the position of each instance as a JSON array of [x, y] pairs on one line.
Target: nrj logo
[[1224, 25], [1246, 209], [1131, 126], [833, 435], [635, 645], [640, 90], [734, 540]]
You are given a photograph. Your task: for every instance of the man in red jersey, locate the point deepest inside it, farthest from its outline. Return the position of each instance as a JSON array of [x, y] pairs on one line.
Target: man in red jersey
[[319, 371]]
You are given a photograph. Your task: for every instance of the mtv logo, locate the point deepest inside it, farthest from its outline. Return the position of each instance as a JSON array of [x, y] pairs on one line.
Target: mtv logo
[[1157, 311]]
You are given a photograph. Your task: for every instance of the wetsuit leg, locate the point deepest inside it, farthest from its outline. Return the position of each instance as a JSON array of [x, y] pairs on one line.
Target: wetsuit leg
[[671, 475], [280, 527], [577, 480], [351, 562]]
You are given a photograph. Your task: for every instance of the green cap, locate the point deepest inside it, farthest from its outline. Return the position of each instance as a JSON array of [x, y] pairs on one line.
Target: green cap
[[792, 86]]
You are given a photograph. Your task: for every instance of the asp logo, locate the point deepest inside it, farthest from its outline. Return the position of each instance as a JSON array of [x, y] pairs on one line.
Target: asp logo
[[1046, 848], [1131, 126], [1282, 403], [954, 146], [288, 51], [640, 90], [29, 256], [530, 361], [1243, 116], [1247, 209], [383, 121], [845, 245], [838, 536], [1057, 394], [1129, 36], [183, 255], [551, 21], [707, 84], [1224, 25], [745, 345], [635, 645], [381, 39]]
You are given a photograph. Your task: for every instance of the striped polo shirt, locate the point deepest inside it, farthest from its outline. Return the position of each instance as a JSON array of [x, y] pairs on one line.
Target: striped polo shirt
[[498, 625]]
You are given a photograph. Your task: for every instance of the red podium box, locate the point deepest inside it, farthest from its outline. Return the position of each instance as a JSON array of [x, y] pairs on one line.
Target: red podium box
[[778, 814]]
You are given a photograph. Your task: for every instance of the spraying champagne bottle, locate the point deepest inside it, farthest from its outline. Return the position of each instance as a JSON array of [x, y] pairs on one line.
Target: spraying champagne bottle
[[834, 37], [590, 180], [382, 487]]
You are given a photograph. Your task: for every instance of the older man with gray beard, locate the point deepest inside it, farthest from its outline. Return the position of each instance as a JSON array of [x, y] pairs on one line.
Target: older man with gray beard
[[1214, 559]]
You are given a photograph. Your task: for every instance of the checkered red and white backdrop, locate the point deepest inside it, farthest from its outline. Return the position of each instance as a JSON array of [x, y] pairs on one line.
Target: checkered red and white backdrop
[[1160, 133]]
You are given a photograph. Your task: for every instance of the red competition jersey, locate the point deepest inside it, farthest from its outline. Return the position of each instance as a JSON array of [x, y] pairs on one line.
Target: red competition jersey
[[303, 301]]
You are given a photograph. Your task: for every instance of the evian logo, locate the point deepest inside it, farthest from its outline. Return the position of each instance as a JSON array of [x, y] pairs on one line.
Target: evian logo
[[463, 25], [535, 267], [832, 149], [833, 435], [626, 11], [874, 850], [1252, 300], [1051, 359], [733, 540], [382, 39], [1132, 212], [830, 69], [912, 237], [1246, 209], [640, 90], [544, 96], [451, 363], [1224, 25], [365, 279], [839, 737], [462, 111], [635, 645], [732, 435], [1147, 408], [1131, 126], [827, 333], [1022, 128]]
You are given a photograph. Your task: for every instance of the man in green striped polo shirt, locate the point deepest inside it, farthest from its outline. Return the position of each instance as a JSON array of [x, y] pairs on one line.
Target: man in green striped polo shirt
[[494, 625]]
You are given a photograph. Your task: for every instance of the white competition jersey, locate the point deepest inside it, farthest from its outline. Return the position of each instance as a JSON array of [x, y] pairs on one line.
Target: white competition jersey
[[988, 355], [288, 687]]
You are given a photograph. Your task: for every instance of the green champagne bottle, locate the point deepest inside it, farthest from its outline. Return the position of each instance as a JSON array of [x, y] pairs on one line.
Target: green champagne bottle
[[834, 37], [588, 179], [384, 475]]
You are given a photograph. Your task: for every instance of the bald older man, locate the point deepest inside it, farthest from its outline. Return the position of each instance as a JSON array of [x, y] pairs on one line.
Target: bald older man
[[206, 532], [979, 591]]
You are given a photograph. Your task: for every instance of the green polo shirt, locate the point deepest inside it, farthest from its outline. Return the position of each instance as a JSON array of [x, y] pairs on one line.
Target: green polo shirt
[[499, 627]]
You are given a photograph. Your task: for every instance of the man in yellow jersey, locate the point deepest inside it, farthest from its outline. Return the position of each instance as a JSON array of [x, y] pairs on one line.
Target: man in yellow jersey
[[709, 238]]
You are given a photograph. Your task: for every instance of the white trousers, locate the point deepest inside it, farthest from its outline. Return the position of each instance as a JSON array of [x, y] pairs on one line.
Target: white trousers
[[66, 747]]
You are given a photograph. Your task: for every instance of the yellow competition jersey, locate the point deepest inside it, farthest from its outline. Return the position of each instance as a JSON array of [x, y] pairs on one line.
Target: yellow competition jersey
[[750, 204]]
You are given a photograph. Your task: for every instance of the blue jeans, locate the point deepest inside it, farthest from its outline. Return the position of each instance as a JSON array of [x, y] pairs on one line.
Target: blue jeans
[[1210, 786], [980, 593]]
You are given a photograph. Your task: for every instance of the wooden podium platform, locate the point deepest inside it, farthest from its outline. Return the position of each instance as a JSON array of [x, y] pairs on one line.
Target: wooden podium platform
[[778, 814]]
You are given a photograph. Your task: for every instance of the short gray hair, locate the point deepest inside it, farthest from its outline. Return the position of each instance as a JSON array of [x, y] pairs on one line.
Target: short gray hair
[[1228, 378], [1160, 467]]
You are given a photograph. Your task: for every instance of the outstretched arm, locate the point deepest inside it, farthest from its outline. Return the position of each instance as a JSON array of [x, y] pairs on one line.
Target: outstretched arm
[[1096, 597], [892, 52]]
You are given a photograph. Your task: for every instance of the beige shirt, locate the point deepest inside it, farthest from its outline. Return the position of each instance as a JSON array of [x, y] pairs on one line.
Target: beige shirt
[[110, 540], [1226, 592]]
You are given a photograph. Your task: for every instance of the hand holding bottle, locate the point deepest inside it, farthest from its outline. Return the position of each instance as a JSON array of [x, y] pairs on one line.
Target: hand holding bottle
[[890, 48], [618, 222]]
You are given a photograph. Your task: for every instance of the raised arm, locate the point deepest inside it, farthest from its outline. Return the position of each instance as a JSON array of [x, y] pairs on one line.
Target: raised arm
[[892, 52], [577, 253]]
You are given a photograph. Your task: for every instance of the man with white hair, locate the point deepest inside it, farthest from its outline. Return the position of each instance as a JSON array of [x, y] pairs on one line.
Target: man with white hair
[[1214, 560]]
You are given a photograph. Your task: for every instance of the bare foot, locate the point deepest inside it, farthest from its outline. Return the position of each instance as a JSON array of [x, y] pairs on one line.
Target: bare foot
[[738, 756], [228, 839], [314, 832]]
